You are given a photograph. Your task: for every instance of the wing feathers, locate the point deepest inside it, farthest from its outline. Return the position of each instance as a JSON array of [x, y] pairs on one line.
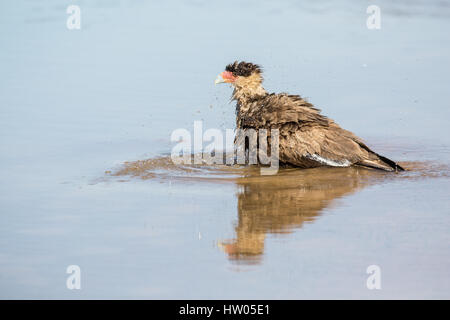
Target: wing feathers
[[307, 138]]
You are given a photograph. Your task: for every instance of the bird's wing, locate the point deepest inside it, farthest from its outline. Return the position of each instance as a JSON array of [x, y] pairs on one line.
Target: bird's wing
[[308, 138], [329, 146], [275, 110]]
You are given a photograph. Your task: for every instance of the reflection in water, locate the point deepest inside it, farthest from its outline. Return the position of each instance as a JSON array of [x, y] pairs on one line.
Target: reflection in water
[[278, 204], [275, 204]]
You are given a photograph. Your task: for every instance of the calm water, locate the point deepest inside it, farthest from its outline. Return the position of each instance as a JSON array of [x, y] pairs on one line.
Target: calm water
[[79, 107]]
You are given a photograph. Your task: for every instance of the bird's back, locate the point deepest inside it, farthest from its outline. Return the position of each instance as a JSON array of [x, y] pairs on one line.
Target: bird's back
[[308, 138]]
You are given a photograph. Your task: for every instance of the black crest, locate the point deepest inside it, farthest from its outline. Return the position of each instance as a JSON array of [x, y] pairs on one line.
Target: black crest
[[243, 68]]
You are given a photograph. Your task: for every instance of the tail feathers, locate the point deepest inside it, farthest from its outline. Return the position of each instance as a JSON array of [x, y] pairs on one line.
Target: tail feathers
[[394, 165], [381, 163], [378, 161]]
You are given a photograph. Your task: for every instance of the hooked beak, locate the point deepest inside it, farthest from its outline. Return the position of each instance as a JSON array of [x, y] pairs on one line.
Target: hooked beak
[[219, 79], [225, 77]]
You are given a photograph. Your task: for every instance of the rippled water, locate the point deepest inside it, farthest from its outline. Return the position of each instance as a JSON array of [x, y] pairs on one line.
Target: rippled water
[[85, 125], [273, 204]]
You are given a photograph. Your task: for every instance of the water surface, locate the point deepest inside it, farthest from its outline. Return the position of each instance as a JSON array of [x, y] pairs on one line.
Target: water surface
[[77, 104]]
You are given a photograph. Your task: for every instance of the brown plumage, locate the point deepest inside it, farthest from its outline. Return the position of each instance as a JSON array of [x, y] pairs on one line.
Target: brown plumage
[[307, 138]]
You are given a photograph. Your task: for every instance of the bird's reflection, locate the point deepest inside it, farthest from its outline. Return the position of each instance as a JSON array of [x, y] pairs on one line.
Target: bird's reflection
[[275, 204], [281, 203]]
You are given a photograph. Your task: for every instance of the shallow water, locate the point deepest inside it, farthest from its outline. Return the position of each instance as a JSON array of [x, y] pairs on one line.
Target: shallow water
[[83, 111], [275, 204]]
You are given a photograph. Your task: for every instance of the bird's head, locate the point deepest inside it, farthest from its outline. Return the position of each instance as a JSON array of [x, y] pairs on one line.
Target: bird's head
[[241, 74]]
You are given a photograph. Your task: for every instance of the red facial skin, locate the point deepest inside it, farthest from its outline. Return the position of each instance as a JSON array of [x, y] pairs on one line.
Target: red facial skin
[[228, 76]]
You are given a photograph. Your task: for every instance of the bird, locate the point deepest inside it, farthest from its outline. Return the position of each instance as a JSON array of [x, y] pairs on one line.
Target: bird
[[307, 139]]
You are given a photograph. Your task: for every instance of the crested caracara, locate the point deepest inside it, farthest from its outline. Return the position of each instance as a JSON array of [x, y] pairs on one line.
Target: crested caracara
[[307, 139]]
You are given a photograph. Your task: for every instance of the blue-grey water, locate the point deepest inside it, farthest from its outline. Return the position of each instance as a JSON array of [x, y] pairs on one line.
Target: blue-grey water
[[75, 104]]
